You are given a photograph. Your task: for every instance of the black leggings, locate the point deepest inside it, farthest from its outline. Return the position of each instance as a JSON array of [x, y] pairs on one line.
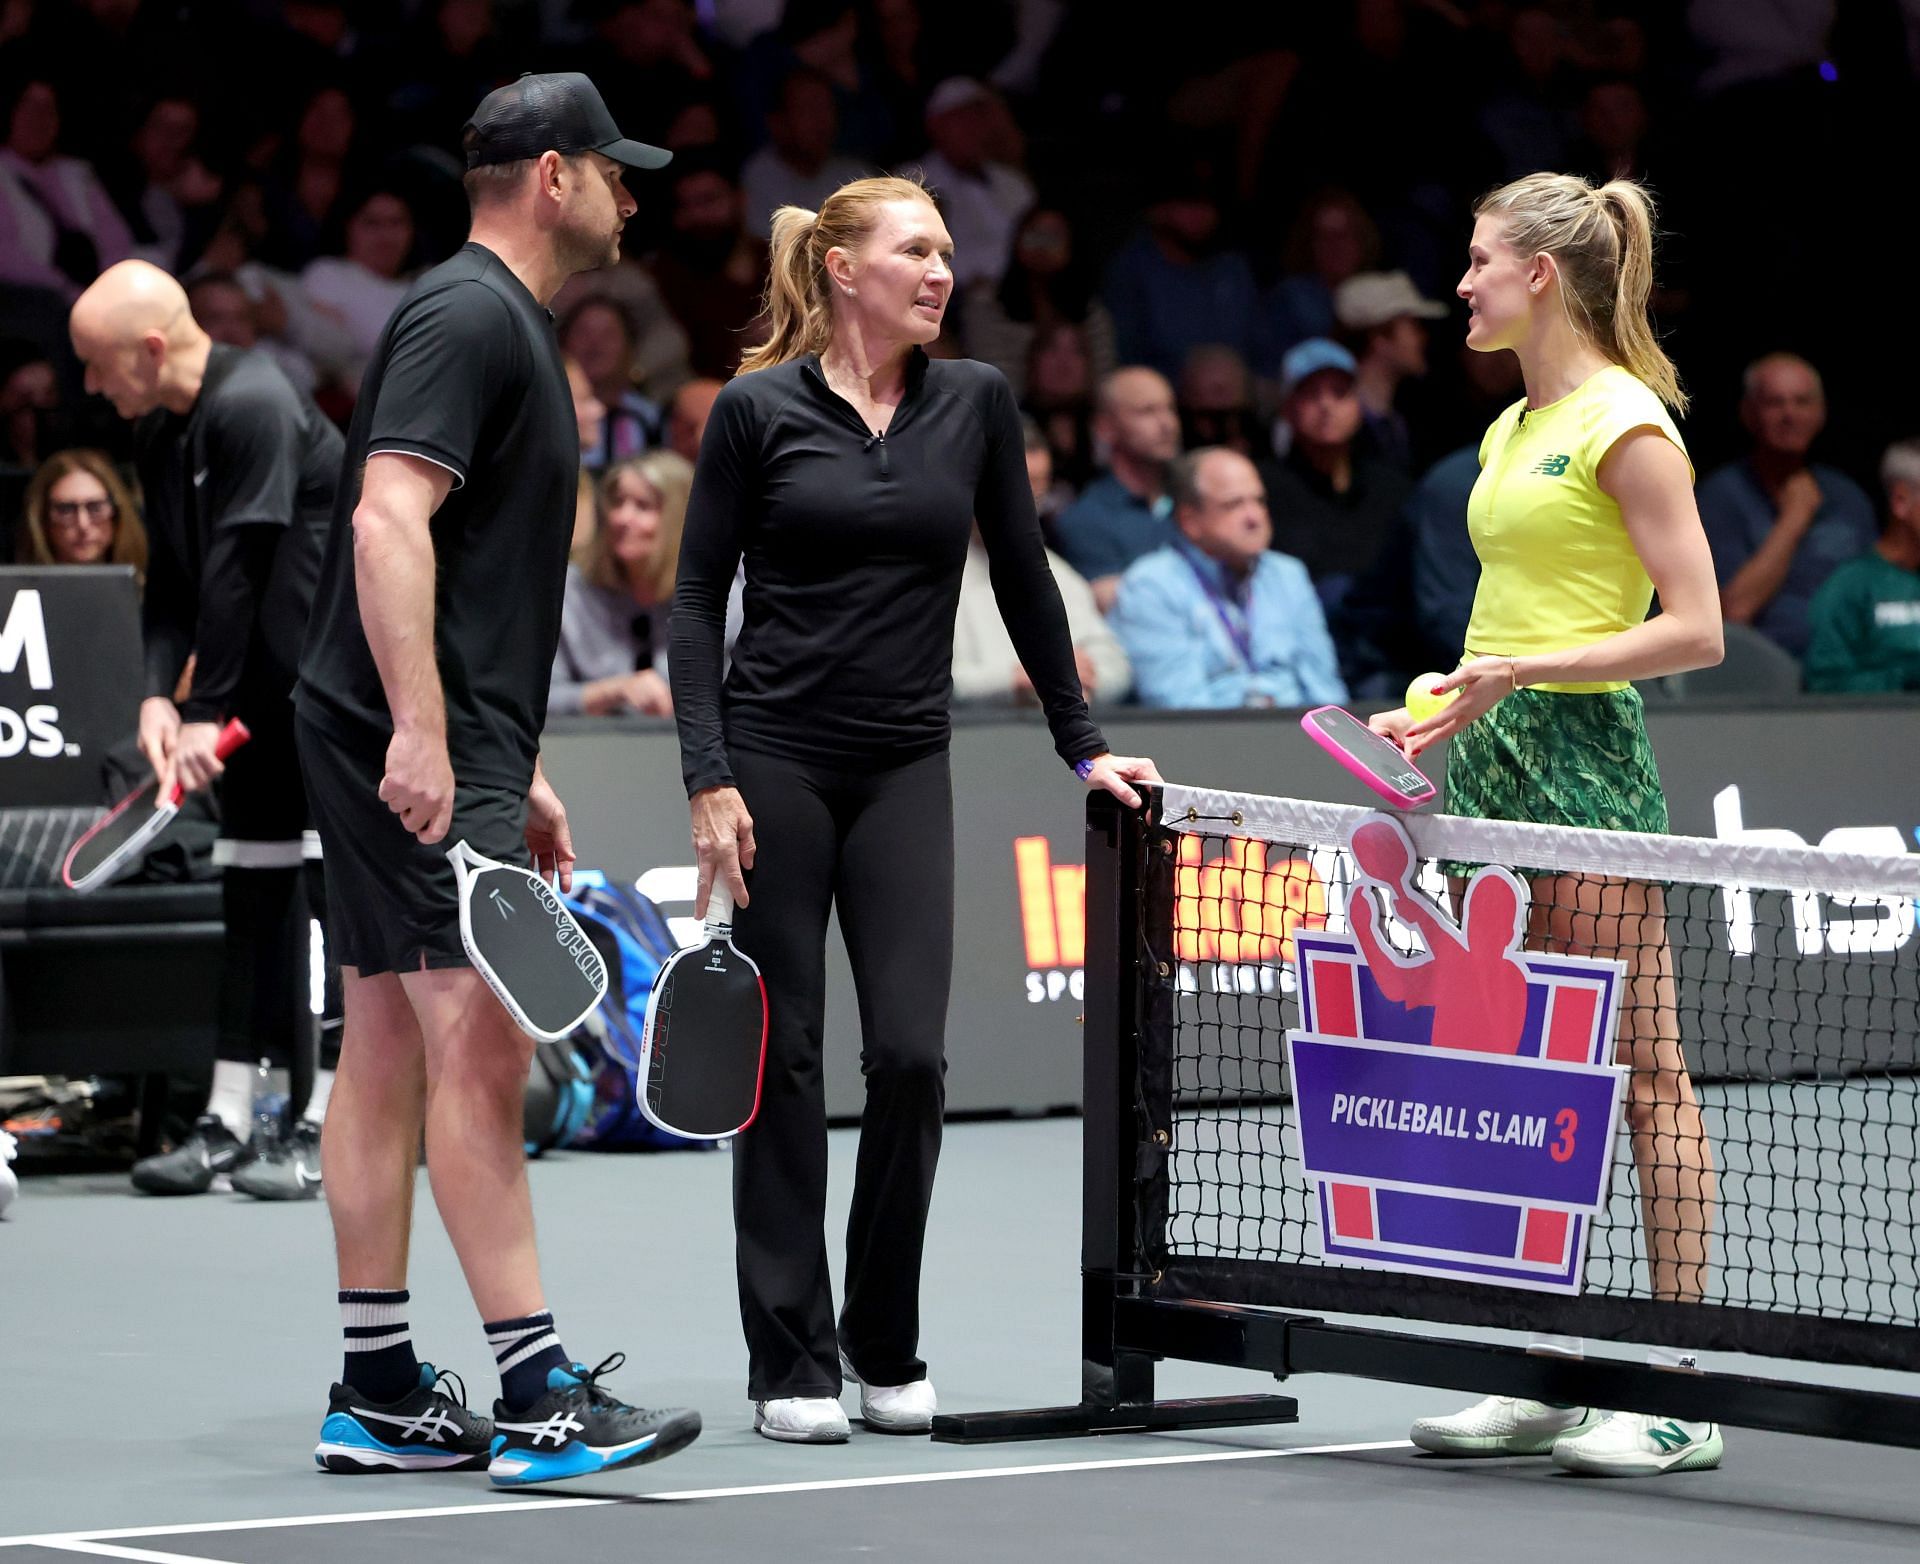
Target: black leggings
[[878, 848]]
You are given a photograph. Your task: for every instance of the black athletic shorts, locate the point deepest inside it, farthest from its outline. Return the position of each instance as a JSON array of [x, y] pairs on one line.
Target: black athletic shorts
[[393, 902]]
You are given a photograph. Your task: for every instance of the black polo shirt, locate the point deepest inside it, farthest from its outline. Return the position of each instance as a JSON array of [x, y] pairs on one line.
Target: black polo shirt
[[854, 546], [238, 492], [467, 375]]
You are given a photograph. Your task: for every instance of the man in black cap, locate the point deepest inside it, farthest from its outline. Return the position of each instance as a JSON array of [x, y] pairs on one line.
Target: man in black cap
[[423, 690]]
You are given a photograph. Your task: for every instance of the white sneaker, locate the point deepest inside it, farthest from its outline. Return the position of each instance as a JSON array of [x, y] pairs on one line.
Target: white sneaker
[[1500, 1425], [1633, 1444], [802, 1420], [895, 1409], [9, 1184]]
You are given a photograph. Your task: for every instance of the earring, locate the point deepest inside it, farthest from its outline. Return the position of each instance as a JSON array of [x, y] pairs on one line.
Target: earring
[[849, 291]]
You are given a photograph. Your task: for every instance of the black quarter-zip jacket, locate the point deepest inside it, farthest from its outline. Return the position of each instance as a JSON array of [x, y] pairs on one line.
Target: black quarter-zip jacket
[[854, 543]]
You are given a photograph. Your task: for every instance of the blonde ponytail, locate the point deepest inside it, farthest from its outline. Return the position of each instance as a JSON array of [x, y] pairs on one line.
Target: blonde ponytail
[[1602, 241], [799, 300]]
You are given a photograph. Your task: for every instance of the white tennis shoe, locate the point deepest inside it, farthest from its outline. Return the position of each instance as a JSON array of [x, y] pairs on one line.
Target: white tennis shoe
[[1634, 1444], [1500, 1425], [802, 1420], [895, 1409]]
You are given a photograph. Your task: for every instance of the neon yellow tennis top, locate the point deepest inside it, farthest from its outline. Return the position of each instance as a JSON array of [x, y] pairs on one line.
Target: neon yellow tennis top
[[1557, 568]]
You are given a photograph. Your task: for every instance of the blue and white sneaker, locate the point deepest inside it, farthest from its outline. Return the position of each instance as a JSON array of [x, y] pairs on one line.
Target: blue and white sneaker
[[426, 1430], [577, 1429]]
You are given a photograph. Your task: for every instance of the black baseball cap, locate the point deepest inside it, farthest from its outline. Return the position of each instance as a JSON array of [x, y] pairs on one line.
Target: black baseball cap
[[562, 112]]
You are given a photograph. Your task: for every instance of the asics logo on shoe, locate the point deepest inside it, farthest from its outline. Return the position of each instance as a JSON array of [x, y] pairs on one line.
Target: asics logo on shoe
[[432, 1425], [1671, 1437], [560, 1427]]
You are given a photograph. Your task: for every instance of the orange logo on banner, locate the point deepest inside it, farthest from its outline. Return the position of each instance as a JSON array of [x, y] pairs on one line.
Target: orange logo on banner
[[1053, 905], [1241, 908]]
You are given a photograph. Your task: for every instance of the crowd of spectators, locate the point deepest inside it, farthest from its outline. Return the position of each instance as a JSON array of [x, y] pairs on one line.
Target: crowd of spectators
[[1212, 252]]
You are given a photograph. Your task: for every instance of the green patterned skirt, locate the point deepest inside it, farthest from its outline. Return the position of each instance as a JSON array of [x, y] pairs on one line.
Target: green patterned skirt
[[1558, 758]]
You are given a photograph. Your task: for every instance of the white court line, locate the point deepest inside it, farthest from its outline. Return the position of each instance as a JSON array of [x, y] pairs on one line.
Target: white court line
[[108, 1550], [74, 1540]]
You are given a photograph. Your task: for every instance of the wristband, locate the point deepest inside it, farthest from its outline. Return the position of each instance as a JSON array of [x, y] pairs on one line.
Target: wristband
[[1084, 768]]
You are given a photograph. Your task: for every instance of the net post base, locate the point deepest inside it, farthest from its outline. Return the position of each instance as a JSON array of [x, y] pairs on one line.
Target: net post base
[[1149, 1417]]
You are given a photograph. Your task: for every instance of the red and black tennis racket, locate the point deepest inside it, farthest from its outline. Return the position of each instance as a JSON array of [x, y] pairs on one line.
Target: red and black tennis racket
[[704, 1047], [117, 840]]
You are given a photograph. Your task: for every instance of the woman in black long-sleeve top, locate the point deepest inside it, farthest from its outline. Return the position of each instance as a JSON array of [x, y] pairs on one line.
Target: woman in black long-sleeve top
[[848, 468]]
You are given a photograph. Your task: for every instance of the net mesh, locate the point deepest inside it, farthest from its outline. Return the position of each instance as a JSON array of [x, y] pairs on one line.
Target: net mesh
[[1770, 1010]]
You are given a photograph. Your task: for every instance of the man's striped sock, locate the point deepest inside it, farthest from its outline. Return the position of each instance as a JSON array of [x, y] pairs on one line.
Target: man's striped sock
[[525, 1349], [380, 1363]]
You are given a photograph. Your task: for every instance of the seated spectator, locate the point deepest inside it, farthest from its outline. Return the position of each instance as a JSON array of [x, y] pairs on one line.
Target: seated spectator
[[1332, 240], [590, 418], [1446, 570], [227, 313], [1480, 387], [1050, 496], [1124, 514], [711, 272], [1384, 316], [58, 228], [1060, 383], [1865, 619], [659, 365], [597, 335], [29, 406], [363, 287], [614, 621], [1334, 504], [980, 199], [1172, 287], [987, 670], [1778, 522], [647, 57], [1043, 285], [687, 416], [1216, 402], [79, 511], [1216, 619], [797, 166], [825, 36], [305, 186], [166, 192]]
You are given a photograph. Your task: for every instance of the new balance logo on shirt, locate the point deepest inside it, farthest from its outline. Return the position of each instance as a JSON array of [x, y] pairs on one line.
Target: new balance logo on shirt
[[1552, 466]]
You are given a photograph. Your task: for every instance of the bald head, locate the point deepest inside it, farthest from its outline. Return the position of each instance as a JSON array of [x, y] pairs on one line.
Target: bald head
[[1136, 418], [138, 339], [1784, 405]]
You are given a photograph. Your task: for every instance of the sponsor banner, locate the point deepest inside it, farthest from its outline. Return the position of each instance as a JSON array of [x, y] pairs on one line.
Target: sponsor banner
[[70, 678]]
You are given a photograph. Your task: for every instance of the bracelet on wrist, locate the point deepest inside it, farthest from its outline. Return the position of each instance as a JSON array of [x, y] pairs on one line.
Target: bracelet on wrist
[[1084, 768]]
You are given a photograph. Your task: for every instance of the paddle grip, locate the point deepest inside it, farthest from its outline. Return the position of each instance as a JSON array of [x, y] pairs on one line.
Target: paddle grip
[[232, 736], [720, 905]]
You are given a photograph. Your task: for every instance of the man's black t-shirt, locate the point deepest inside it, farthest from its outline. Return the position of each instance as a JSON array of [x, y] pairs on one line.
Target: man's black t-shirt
[[854, 546], [467, 375], [239, 494]]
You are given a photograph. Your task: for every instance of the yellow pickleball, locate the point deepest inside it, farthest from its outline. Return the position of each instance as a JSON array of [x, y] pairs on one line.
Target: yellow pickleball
[[1422, 703]]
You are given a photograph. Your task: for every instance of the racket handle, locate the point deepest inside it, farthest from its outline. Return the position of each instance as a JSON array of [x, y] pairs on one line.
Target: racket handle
[[232, 736], [719, 906]]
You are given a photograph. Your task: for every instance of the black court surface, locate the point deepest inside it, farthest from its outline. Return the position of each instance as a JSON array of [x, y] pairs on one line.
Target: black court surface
[[166, 1366]]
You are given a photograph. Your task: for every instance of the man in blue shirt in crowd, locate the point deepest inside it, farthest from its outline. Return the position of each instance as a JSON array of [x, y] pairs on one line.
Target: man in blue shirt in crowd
[[1216, 619], [1125, 513], [1779, 524]]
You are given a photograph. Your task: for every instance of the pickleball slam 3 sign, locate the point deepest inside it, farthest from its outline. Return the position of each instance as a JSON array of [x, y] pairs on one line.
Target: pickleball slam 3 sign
[[1455, 1106]]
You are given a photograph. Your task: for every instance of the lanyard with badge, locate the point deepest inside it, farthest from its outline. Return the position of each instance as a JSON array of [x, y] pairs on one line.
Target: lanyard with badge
[[1232, 618]]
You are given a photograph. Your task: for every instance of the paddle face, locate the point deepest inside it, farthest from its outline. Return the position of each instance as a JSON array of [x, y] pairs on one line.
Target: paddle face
[[531, 950], [705, 1043], [1378, 762], [118, 838]]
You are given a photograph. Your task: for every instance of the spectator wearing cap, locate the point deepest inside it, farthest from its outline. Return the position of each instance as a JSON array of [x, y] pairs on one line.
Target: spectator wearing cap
[[1866, 618], [1125, 513], [58, 227], [711, 272], [598, 336], [798, 166], [1778, 522], [1217, 619], [1173, 286], [1334, 504], [980, 199], [1384, 318]]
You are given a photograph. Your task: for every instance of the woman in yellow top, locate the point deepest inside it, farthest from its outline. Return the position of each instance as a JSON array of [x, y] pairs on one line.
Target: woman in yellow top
[[1583, 509]]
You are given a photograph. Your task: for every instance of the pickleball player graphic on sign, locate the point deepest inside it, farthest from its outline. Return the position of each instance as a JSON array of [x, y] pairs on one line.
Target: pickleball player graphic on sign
[[1454, 1108]]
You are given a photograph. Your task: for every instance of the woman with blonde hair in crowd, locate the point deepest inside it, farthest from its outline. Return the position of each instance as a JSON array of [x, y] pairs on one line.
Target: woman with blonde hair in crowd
[[1584, 510], [847, 467], [78, 510], [612, 656]]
